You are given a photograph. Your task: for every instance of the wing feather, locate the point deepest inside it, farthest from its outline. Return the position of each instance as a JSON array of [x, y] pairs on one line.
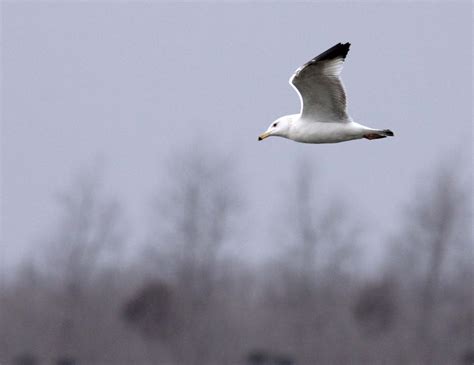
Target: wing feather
[[320, 89]]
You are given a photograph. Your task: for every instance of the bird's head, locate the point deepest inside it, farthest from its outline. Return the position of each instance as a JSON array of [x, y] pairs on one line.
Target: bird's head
[[278, 128]]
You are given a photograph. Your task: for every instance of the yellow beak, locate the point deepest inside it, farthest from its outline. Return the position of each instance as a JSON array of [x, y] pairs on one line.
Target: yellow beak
[[263, 136]]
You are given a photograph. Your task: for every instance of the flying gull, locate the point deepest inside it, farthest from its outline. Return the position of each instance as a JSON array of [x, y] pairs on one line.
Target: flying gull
[[323, 116]]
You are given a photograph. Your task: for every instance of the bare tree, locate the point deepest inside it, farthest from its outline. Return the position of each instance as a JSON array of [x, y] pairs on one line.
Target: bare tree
[[313, 272], [87, 241], [67, 292], [194, 222], [434, 233]]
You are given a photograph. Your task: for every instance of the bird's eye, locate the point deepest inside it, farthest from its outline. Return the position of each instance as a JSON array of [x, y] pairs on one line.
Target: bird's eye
[[275, 124]]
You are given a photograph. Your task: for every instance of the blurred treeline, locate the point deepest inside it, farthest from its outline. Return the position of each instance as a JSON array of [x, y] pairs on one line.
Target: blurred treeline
[[192, 298]]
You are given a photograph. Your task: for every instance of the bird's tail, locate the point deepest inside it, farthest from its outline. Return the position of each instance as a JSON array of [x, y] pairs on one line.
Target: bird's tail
[[376, 134]]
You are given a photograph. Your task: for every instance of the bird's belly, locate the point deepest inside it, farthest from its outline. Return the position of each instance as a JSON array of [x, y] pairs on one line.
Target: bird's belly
[[322, 132]]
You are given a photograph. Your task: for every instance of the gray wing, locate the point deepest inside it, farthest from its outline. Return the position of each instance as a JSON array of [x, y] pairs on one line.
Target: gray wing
[[320, 89]]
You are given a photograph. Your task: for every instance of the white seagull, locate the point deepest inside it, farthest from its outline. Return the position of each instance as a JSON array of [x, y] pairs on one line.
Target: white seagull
[[323, 116]]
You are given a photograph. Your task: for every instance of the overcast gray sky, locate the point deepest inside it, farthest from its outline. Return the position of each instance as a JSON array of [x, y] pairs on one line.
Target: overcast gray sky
[[133, 82]]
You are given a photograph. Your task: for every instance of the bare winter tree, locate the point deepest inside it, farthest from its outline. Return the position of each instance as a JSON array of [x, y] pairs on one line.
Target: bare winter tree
[[64, 294], [432, 249], [313, 273], [89, 237], [193, 226]]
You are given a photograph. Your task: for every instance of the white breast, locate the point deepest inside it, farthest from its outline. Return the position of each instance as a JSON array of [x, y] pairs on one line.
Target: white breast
[[324, 132]]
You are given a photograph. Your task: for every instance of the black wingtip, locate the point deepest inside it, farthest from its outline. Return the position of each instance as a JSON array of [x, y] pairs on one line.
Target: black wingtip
[[388, 132], [339, 50]]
